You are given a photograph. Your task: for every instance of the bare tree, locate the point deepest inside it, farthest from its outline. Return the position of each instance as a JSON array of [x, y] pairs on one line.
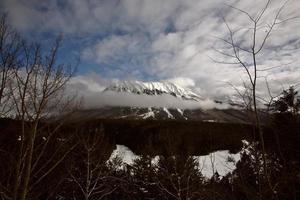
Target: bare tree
[[10, 48], [247, 56], [253, 50], [39, 82], [89, 171]]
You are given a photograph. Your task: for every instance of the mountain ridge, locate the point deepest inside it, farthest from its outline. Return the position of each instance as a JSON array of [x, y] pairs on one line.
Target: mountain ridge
[[153, 88]]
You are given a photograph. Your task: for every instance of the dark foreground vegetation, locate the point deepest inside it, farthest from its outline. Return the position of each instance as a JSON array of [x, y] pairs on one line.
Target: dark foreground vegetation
[[71, 161]]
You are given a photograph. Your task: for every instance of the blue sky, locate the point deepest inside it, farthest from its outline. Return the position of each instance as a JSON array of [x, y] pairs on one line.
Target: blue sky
[[169, 40]]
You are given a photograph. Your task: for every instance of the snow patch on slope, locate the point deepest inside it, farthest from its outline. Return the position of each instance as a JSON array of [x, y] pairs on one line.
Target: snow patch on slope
[[149, 114], [170, 116], [181, 112]]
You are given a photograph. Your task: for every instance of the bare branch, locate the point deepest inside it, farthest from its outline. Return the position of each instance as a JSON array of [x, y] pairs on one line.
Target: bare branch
[[271, 27], [263, 11], [242, 11], [224, 62], [269, 68]]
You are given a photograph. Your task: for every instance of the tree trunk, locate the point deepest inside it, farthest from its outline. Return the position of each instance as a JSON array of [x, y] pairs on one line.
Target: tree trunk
[[28, 163]]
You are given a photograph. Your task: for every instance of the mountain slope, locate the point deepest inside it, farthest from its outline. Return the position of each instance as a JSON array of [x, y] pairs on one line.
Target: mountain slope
[[136, 113]]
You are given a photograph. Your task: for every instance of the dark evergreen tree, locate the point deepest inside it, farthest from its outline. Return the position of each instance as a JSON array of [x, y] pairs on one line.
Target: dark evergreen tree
[[288, 102]]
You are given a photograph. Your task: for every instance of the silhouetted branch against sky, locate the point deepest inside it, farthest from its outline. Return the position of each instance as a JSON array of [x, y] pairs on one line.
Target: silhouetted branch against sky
[[163, 40]]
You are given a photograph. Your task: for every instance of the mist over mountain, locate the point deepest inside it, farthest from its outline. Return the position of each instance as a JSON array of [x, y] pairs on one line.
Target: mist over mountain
[[146, 94], [155, 101]]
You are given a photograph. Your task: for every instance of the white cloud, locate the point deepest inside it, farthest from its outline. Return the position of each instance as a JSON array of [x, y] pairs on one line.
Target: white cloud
[[114, 48], [182, 81], [163, 40], [107, 98]]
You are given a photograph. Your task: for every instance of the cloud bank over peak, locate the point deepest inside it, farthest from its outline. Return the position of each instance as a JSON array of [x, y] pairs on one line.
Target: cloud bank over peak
[[97, 100], [94, 93]]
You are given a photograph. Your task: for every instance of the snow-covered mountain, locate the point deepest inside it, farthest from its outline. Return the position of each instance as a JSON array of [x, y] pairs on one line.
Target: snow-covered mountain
[[163, 112], [153, 88]]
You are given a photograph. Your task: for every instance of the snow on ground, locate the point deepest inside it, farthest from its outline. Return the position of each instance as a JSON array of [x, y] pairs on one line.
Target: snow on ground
[[124, 153], [222, 162]]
